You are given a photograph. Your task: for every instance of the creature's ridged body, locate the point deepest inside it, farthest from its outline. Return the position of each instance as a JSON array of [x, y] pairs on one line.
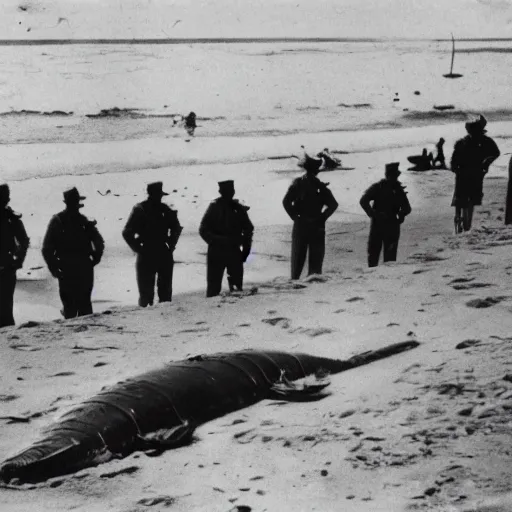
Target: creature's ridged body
[[193, 391]]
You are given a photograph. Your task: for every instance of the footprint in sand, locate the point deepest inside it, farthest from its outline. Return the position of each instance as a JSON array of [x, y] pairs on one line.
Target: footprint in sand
[[470, 286], [8, 398], [467, 344], [199, 329], [426, 257], [460, 279], [166, 501], [25, 348], [278, 320], [485, 303]]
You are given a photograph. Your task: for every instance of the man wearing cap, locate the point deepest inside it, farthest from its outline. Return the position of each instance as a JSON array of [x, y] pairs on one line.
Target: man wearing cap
[[386, 203], [471, 159], [304, 202], [14, 244], [72, 247], [228, 231], [152, 231]]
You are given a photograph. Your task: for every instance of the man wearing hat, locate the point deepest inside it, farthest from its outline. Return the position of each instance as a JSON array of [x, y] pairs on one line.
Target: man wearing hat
[[304, 202], [72, 247], [228, 231], [14, 244], [152, 231], [471, 159], [386, 203]]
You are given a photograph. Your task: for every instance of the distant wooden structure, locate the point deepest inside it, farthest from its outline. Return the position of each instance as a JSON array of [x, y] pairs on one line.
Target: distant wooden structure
[[451, 74]]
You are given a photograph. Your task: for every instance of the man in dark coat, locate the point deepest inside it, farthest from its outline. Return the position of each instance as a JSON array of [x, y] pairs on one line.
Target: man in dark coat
[[388, 209], [14, 244], [471, 158], [304, 202], [72, 247], [228, 231], [152, 231], [508, 201]]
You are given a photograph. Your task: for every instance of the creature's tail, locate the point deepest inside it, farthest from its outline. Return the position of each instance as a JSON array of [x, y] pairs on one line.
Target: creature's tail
[[375, 355]]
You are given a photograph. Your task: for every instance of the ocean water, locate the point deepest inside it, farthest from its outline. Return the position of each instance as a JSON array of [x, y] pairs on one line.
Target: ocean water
[[98, 92]]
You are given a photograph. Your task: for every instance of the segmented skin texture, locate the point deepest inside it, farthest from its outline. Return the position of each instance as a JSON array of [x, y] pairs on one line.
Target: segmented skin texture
[[189, 392]]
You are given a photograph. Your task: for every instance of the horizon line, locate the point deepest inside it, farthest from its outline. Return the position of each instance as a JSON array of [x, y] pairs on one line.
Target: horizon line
[[216, 40]]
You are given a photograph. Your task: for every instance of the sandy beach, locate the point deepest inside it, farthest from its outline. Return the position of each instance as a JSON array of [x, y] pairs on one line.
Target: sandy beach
[[425, 430], [412, 432]]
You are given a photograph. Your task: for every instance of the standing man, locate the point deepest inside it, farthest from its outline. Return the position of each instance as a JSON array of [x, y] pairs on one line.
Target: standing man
[[72, 247], [152, 231], [227, 230], [388, 210], [304, 202], [14, 244], [471, 159], [508, 201], [439, 156]]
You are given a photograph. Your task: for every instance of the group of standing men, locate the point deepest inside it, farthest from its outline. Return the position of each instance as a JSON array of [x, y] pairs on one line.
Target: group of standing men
[[73, 246]]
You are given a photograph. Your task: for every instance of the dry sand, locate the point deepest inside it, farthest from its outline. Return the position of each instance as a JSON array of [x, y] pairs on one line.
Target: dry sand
[[425, 430]]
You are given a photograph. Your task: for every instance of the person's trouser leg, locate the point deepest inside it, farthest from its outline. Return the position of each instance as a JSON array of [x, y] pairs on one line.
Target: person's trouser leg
[[164, 278], [215, 265], [467, 217], [299, 249], [458, 220], [85, 284], [146, 272], [391, 236], [7, 287], [235, 269], [67, 287], [374, 244], [316, 251]]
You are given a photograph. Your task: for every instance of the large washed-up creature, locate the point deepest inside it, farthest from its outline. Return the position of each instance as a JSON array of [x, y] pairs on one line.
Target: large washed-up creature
[[160, 409]]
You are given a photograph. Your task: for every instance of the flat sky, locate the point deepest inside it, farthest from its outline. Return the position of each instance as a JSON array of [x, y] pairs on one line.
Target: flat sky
[[112, 19]]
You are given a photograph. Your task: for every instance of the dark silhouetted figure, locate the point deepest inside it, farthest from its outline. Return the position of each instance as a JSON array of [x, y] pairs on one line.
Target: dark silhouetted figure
[[304, 202], [439, 158], [228, 231], [72, 247], [330, 161], [508, 205], [471, 158], [152, 231], [388, 210], [190, 124], [14, 244]]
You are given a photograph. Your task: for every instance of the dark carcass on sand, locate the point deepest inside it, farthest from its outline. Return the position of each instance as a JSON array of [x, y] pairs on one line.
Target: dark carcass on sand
[[161, 408]]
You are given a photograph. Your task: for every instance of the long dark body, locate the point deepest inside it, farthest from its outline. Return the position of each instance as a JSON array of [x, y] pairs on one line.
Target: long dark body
[[112, 423]]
